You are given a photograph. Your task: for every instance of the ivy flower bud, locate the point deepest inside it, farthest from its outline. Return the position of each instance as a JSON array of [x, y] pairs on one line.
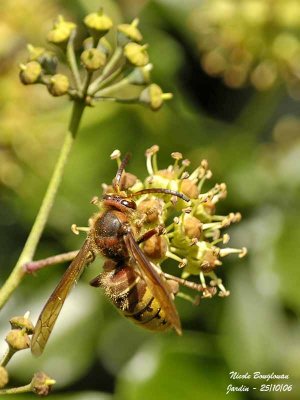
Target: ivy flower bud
[[189, 188], [30, 72], [59, 85], [22, 323], [98, 24], [35, 52], [129, 33], [47, 59], [156, 247], [61, 31], [154, 96], [151, 209], [49, 62], [3, 377], [128, 180], [104, 46], [210, 260], [136, 54], [192, 227], [93, 59], [18, 340], [88, 43], [140, 75], [41, 384]]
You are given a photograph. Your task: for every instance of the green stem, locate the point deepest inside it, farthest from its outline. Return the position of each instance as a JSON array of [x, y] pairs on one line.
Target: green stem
[[18, 272], [108, 69], [104, 82], [86, 82], [71, 58], [110, 78], [134, 100], [117, 86], [34, 266], [7, 356], [20, 389]]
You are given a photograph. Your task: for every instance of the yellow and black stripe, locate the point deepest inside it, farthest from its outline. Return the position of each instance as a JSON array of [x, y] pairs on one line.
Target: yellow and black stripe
[[130, 294]]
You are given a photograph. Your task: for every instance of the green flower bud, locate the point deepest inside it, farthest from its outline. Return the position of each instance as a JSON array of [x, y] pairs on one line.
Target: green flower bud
[[35, 52], [203, 213], [18, 340], [3, 377], [98, 24], [104, 46], [154, 96], [61, 31], [93, 59], [49, 63], [136, 54], [47, 59], [88, 43], [128, 33], [22, 323], [30, 72], [59, 85], [41, 384], [140, 75]]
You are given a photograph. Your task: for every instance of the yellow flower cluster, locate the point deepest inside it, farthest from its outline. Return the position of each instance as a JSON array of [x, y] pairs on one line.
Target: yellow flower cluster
[[103, 71], [190, 233], [249, 41]]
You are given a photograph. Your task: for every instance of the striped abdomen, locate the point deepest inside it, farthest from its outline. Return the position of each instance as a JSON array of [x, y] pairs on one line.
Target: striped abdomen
[[130, 294]]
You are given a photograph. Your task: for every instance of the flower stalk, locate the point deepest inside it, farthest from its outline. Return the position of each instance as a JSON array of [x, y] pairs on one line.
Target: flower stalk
[[16, 390], [7, 356]]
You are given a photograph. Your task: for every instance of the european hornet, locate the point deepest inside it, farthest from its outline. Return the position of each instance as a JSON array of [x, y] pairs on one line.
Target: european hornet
[[135, 285]]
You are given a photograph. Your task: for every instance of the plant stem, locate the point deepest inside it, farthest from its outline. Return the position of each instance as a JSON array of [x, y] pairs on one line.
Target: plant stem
[[7, 356], [113, 88], [18, 272], [108, 69], [20, 389], [34, 266], [71, 58], [87, 82], [107, 80], [134, 100]]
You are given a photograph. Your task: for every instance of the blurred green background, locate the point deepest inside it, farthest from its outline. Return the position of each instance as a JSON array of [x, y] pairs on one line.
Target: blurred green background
[[251, 139]]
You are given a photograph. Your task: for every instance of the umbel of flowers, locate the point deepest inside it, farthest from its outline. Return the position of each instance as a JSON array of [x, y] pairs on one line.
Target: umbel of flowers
[[192, 234], [249, 41], [98, 72]]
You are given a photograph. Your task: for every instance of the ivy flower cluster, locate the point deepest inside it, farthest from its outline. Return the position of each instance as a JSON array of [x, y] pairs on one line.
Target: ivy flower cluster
[[249, 41], [18, 339], [99, 72], [190, 233]]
